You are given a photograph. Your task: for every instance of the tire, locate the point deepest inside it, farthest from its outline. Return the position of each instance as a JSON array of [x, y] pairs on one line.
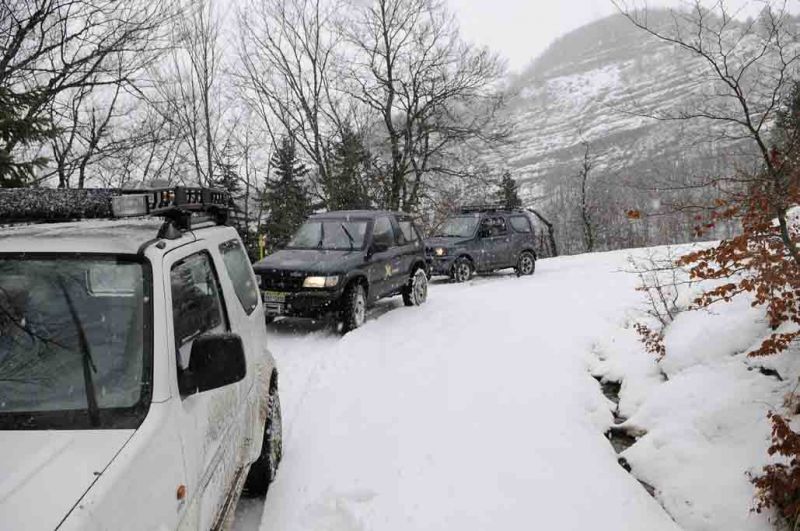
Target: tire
[[415, 292], [263, 470], [526, 264], [354, 310], [462, 270]]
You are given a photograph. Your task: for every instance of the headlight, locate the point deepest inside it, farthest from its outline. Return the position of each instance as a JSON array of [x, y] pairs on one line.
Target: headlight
[[440, 251], [320, 282]]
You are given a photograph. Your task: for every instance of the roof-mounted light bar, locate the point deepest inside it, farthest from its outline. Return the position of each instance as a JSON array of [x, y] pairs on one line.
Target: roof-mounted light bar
[[177, 204], [166, 201]]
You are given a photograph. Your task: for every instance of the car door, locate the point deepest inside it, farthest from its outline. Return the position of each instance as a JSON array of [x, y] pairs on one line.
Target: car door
[[496, 243], [384, 263], [409, 248], [207, 420]]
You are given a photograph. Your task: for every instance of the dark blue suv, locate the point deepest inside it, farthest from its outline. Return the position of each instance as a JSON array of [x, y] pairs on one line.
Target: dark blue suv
[[480, 240]]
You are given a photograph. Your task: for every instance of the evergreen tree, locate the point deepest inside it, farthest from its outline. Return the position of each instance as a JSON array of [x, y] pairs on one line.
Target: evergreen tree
[[16, 129], [346, 186], [508, 194], [286, 196]]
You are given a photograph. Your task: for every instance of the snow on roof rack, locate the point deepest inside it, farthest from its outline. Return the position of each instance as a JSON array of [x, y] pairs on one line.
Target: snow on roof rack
[[469, 209], [184, 207]]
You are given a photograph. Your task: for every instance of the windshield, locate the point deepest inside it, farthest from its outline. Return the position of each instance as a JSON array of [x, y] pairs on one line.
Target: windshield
[[330, 234], [74, 348], [460, 227]]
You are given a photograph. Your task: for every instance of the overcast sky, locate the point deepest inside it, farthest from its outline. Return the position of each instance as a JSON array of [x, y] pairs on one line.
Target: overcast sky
[[522, 29]]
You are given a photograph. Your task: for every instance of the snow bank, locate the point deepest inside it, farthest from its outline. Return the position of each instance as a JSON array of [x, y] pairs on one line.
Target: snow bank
[[701, 411]]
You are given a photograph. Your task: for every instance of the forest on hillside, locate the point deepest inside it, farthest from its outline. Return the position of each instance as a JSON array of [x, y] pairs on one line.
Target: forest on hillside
[[297, 106]]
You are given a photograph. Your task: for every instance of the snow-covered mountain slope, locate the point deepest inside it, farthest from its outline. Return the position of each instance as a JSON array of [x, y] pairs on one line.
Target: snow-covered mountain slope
[[589, 86]]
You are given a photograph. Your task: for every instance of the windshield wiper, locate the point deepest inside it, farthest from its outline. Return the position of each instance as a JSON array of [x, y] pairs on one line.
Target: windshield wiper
[[349, 236], [86, 358]]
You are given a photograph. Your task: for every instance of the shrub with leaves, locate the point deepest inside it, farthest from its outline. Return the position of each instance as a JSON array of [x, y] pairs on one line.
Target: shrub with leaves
[[779, 486], [758, 261]]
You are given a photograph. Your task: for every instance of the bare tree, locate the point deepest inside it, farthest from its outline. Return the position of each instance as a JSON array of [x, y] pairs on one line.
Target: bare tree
[[430, 89], [587, 165], [286, 51], [51, 47], [188, 88]]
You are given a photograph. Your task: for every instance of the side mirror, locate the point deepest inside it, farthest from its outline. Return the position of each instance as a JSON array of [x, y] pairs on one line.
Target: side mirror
[[216, 360]]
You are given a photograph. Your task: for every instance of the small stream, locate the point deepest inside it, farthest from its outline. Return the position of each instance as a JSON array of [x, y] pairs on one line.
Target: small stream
[[620, 440]]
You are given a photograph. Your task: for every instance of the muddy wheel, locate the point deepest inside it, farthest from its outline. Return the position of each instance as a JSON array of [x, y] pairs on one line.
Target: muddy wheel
[[263, 471], [526, 265], [462, 270], [415, 291], [354, 311]]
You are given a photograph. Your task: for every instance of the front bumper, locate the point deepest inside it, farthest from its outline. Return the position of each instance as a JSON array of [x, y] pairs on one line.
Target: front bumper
[[440, 265], [305, 303]]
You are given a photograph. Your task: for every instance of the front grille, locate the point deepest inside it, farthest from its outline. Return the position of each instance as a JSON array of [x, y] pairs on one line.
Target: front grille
[[287, 281]]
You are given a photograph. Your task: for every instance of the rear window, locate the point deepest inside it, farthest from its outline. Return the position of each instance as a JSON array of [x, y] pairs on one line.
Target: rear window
[[241, 274], [520, 224]]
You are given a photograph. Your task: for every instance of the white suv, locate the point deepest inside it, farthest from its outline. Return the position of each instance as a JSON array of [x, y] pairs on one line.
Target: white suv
[[136, 388]]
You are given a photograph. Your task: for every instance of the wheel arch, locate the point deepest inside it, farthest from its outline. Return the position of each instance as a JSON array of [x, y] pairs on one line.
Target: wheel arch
[[358, 278], [419, 264], [468, 257]]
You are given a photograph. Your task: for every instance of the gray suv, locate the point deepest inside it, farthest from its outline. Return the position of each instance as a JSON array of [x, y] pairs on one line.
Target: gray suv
[[480, 240]]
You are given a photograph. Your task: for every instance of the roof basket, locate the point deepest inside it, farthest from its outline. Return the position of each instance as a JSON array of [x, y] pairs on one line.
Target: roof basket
[[183, 207]]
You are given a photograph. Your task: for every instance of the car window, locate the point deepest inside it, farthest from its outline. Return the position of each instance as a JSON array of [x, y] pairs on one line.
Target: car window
[[196, 305], [72, 327], [493, 226], [407, 232], [382, 232], [240, 272], [330, 235], [520, 223]]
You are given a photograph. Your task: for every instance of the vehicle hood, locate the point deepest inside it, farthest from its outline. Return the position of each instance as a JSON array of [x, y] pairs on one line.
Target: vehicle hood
[[43, 474], [446, 242], [310, 261]]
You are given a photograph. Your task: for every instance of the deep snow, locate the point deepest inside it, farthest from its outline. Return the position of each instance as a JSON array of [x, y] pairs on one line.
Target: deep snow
[[479, 410], [475, 411]]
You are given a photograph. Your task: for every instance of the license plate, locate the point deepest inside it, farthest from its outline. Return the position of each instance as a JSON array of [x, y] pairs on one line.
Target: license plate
[[274, 296]]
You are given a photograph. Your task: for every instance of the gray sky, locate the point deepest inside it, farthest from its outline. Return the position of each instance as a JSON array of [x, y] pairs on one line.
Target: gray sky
[[522, 29]]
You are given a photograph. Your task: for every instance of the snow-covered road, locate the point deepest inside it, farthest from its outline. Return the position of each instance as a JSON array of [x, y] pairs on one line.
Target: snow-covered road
[[472, 412]]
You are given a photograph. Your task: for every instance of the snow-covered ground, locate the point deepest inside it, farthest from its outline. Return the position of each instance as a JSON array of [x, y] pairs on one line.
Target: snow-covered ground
[[479, 411]]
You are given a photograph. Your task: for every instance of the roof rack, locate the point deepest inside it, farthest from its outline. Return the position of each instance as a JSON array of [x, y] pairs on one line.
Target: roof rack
[[183, 207], [470, 209]]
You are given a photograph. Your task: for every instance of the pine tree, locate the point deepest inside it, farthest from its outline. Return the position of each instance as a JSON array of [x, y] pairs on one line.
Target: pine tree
[[346, 187], [18, 130], [286, 196], [508, 193]]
